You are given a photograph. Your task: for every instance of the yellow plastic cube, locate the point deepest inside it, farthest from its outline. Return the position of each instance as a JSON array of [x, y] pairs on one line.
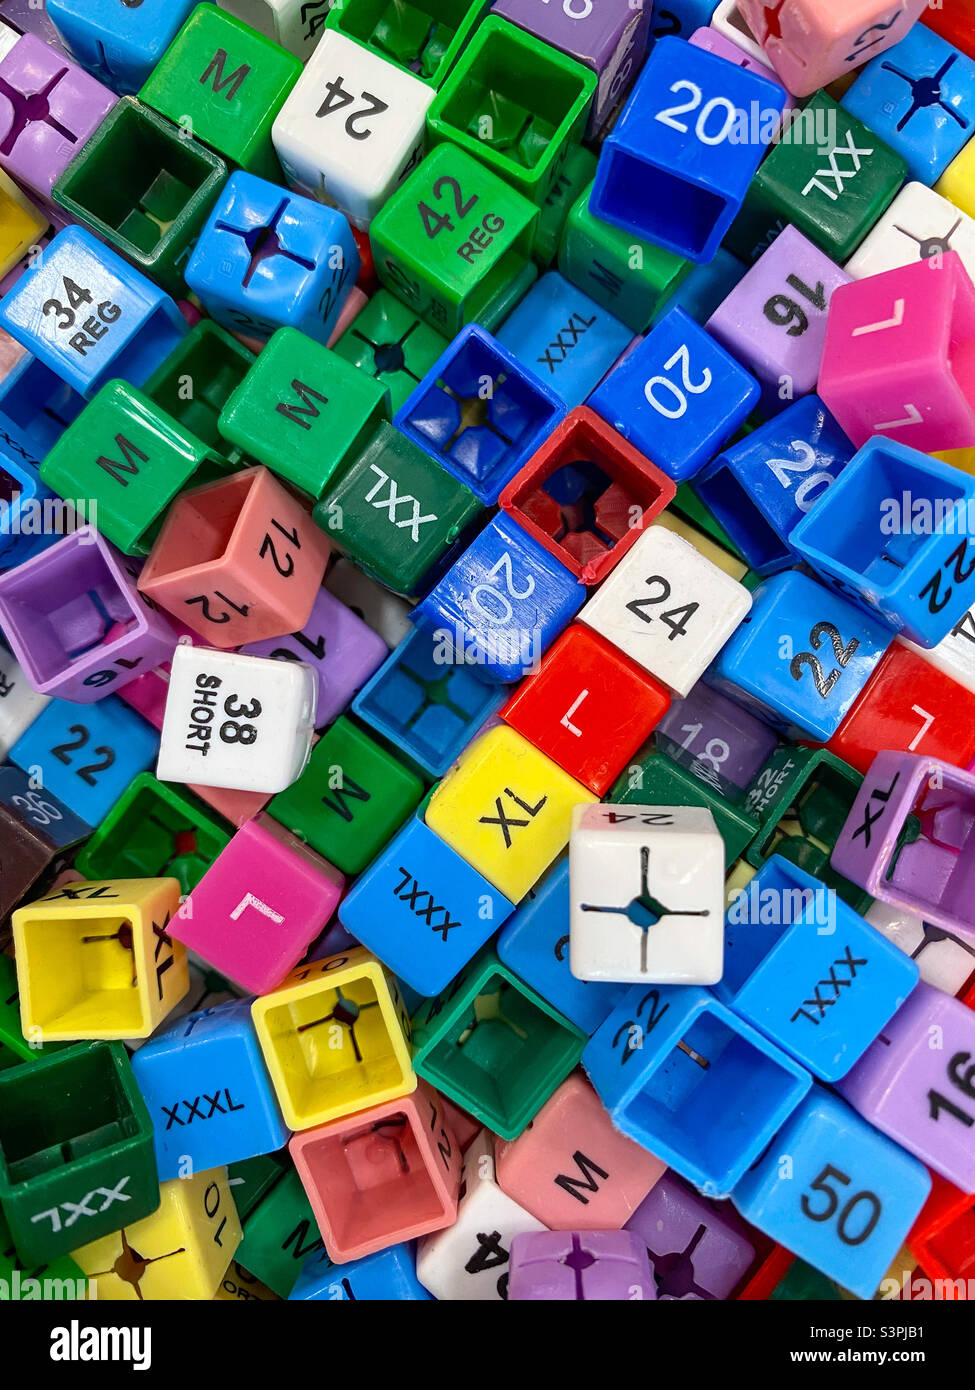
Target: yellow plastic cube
[[336, 1039], [958, 458], [506, 808], [21, 224], [182, 1251], [94, 960], [957, 183]]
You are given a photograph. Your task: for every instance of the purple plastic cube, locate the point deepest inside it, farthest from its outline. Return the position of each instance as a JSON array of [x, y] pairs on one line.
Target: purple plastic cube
[[723, 745], [566, 1266], [26, 16], [917, 1083], [698, 1249]]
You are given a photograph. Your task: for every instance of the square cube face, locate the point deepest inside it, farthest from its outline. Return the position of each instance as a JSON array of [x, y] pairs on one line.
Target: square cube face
[[677, 396], [494, 1047], [668, 608], [423, 38], [913, 569], [840, 1165], [918, 224], [335, 1038], [647, 895], [808, 971], [698, 1249], [388, 342], [352, 127], [236, 721], [592, 1266]]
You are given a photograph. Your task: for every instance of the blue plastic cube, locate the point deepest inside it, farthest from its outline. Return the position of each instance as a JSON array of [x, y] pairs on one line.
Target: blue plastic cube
[[427, 707], [919, 97], [678, 396], [677, 164], [760, 488], [28, 524], [808, 971], [892, 532], [680, 18], [40, 809], [423, 909], [801, 656], [208, 1091], [501, 603], [119, 41], [687, 1079], [270, 259], [36, 407], [564, 337], [705, 287], [845, 1200], [87, 754], [480, 413], [534, 943], [387, 1276], [90, 316]]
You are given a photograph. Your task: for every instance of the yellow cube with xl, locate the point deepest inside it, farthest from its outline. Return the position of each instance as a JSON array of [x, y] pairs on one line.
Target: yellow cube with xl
[[507, 809], [94, 960], [21, 224], [336, 1039], [182, 1251]]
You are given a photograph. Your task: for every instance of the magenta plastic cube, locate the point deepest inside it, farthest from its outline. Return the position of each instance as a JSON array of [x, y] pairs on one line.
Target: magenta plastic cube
[[568, 1266]]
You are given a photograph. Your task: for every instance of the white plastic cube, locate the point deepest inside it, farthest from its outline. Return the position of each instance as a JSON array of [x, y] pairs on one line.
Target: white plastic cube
[[20, 704], [918, 224], [944, 961], [954, 654], [468, 1262], [296, 25], [352, 128], [646, 895], [236, 721], [387, 614], [668, 608]]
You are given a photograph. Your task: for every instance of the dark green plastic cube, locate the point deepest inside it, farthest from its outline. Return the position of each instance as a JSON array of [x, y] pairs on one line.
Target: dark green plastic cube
[[392, 344]]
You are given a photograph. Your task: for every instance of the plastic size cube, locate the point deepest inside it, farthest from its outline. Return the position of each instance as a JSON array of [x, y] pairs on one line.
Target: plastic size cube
[[77, 622], [336, 1039], [944, 960], [831, 179], [246, 534], [389, 1275], [84, 1162], [698, 1249], [592, 1266], [955, 183], [95, 960], [480, 413], [39, 831], [665, 592], [387, 1175], [476, 273], [183, 1249], [920, 98], [821, 984], [207, 1071], [339, 647], [21, 224], [352, 128], [213, 364], [718, 742], [887, 533], [388, 342], [493, 1046], [279, 1232], [677, 396], [424, 38], [89, 316], [260, 904], [225, 83], [267, 259], [350, 799], [620, 858], [675, 171], [571, 1168], [918, 224], [120, 43], [802, 657], [297, 25], [845, 1200], [897, 356], [130, 459], [687, 1079]]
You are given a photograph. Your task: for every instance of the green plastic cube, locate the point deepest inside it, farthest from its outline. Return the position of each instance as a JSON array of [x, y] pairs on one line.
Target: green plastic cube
[[494, 1046], [629, 277], [425, 39], [253, 1178], [396, 512], [351, 798], [279, 1235], [833, 193], [68, 1280], [124, 452], [154, 831], [577, 173], [15, 1049], [652, 779], [224, 83], [454, 242], [193, 383], [304, 411], [515, 103], [390, 343], [77, 1158], [146, 188]]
